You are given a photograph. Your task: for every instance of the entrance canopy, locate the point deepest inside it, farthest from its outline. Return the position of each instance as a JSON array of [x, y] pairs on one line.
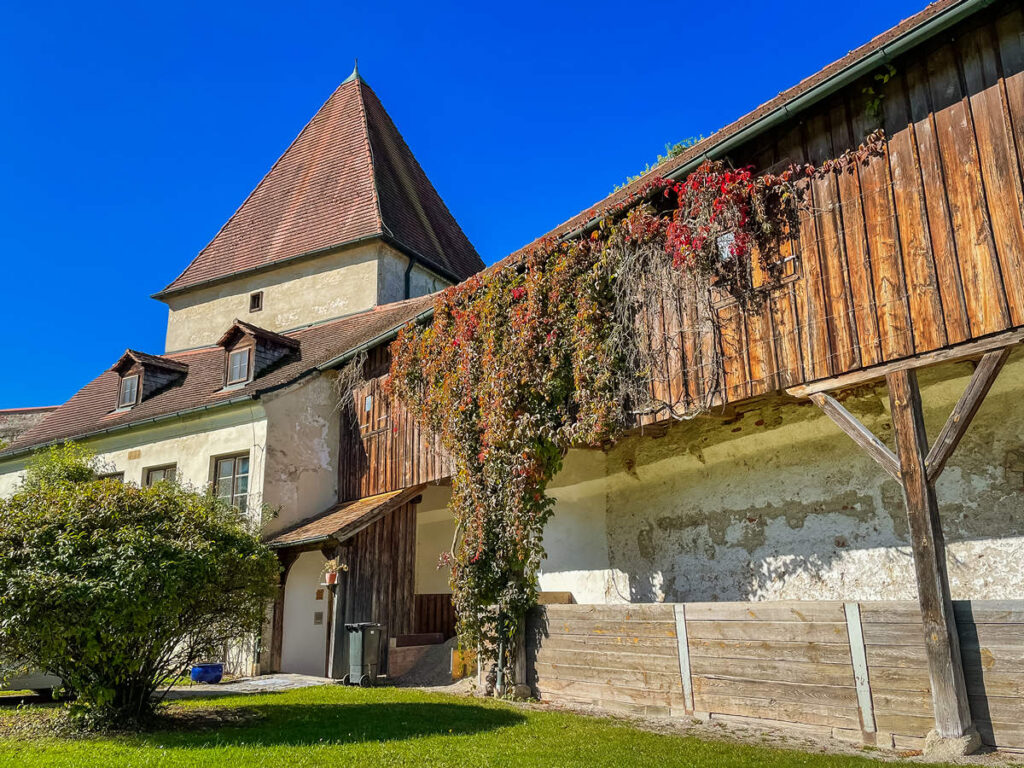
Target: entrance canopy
[[342, 521]]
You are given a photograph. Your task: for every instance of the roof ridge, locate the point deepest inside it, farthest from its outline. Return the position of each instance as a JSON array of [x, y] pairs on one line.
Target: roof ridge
[[252, 192], [355, 78]]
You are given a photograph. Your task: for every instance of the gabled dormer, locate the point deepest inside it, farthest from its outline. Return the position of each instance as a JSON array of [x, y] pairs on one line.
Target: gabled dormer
[[142, 376], [251, 351]]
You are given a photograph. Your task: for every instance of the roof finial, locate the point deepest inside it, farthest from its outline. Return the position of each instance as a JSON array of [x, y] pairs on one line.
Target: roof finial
[[355, 73]]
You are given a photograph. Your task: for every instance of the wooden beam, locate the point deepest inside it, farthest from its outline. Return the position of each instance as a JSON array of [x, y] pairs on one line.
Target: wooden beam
[[942, 644], [860, 434], [949, 354], [286, 558], [964, 410], [337, 638]]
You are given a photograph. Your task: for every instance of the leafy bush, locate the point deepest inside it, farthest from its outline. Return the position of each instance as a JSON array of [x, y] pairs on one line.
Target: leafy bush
[[64, 463], [116, 588]]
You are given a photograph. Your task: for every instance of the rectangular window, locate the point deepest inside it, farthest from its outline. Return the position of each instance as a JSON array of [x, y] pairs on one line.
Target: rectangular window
[[156, 475], [129, 391], [231, 479], [238, 366], [256, 301]]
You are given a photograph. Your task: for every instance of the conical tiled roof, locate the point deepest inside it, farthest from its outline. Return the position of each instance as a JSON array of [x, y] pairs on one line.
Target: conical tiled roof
[[348, 176]]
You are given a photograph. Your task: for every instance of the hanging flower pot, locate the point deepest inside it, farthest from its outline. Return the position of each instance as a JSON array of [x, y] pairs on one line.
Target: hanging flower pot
[[331, 577]]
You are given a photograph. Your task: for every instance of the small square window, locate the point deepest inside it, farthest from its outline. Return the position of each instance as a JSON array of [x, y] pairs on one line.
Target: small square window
[[368, 404], [238, 366], [156, 475], [129, 393], [256, 301]]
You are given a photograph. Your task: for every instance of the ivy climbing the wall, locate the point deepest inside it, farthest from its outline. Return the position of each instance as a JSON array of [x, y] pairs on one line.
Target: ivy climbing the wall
[[548, 350]]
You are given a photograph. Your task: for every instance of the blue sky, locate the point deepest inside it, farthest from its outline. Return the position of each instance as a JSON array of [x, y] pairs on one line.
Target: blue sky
[[131, 132]]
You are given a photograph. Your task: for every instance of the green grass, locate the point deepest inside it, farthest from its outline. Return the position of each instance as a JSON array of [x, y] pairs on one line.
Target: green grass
[[335, 726]]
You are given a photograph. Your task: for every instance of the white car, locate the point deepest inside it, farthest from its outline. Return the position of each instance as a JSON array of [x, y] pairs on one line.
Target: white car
[[39, 682]]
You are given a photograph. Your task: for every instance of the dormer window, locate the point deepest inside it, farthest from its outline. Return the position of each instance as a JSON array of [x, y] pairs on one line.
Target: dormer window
[[143, 376], [238, 367], [129, 394], [250, 352]]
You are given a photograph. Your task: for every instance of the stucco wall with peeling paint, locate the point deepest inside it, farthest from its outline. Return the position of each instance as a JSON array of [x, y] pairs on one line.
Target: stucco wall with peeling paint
[[301, 475], [779, 504]]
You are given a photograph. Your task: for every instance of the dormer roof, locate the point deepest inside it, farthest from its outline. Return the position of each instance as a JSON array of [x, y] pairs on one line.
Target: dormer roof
[[242, 328], [132, 357], [349, 176]]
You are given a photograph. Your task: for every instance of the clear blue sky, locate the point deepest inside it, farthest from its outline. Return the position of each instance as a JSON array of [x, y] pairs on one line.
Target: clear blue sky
[[131, 132]]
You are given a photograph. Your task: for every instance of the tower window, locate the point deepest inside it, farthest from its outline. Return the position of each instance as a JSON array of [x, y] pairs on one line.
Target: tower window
[[256, 301], [129, 394]]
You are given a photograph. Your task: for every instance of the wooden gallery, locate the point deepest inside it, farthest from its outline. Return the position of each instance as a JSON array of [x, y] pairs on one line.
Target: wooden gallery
[[835, 544]]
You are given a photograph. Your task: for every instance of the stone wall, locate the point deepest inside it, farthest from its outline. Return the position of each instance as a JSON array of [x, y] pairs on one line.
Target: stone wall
[[15, 421]]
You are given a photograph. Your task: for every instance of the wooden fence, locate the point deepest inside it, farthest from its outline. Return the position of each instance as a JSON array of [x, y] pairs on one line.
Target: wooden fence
[[855, 671]]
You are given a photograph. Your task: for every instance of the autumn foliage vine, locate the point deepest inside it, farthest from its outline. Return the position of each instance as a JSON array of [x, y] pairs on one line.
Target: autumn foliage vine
[[540, 353]]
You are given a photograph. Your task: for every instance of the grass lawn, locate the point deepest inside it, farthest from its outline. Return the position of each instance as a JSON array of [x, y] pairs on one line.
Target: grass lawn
[[343, 727]]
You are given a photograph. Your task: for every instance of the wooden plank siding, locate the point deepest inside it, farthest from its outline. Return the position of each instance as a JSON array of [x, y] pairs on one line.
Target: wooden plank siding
[[786, 662], [908, 254], [379, 583], [383, 448]]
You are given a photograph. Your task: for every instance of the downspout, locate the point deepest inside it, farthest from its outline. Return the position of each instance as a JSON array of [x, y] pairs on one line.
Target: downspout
[[408, 274]]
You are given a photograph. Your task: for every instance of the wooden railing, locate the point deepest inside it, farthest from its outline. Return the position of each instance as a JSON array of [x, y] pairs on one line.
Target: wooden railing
[[857, 671]]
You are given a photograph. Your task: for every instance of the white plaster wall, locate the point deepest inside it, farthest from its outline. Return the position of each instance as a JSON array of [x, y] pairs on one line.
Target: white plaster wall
[[782, 505], [575, 539], [435, 528], [296, 294], [304, 644], [301, 475], [192, 443], [391, 278]]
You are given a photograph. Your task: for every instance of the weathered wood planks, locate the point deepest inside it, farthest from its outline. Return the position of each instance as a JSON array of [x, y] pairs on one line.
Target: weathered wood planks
[[767, 662]]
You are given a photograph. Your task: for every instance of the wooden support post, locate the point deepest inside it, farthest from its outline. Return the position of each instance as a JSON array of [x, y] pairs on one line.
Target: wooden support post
[[945, 669], [337, 640], [286, 558], [917, 468]]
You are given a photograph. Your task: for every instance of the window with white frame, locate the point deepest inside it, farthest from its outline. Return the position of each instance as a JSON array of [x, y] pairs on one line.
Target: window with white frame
[[129, 394], [231, 479], [238, 366]]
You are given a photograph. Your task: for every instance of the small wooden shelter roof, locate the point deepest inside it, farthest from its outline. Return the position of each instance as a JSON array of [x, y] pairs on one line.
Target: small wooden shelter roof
[[344, 520]]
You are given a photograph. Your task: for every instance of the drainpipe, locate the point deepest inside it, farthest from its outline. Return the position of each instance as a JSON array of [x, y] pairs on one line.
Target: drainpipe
[[408, 273]]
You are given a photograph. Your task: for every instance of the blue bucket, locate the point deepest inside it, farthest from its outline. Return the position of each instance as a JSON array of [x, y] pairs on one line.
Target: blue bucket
[[207, 673]]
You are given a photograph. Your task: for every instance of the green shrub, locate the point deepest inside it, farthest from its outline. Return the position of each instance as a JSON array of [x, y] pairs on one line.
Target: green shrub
[[64, 463], [116, 588]]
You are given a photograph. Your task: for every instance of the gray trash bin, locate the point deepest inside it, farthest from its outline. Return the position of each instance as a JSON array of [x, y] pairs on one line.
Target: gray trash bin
[[363, 653]]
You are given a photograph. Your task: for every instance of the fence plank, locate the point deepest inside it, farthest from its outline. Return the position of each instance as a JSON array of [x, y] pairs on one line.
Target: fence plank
[[815, 632], [782, 670], [782, 610], [831, 695], [823, 653]]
